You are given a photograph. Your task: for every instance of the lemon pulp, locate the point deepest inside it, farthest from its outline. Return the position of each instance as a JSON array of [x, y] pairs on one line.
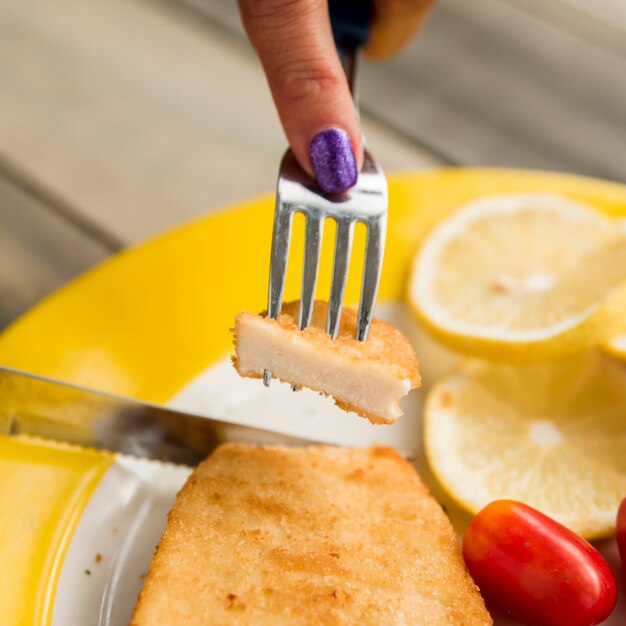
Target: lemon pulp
[[552, 436]]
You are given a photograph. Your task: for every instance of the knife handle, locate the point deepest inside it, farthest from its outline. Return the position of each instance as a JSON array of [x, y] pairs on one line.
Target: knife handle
[[350, 21]]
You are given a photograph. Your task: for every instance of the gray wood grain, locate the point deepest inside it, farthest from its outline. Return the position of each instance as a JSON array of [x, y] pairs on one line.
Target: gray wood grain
[[487, 83], [139, 116], [39, 250], [120, 119], [124, 118], [521, 83]]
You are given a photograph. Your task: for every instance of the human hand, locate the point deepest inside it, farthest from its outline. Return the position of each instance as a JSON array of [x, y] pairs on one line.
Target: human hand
[[294, 41]]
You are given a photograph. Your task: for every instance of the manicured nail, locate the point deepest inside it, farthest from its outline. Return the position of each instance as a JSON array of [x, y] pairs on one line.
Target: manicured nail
[[333, 160]]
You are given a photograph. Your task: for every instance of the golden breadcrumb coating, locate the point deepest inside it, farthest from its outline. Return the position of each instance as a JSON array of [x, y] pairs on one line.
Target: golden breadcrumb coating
[[386, 355], [298, 536]]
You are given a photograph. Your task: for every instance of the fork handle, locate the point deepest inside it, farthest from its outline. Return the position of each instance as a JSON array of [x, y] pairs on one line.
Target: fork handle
[[350, 21]]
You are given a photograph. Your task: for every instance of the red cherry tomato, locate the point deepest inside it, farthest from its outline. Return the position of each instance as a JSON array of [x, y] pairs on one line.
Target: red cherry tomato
[[621, 535], [536, 570]]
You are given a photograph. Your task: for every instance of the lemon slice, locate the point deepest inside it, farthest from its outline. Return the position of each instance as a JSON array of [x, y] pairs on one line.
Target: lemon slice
[[616, 345], [520, 278], [552, 436]]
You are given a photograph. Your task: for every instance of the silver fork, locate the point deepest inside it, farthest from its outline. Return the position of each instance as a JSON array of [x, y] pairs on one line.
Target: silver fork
[[366, 202]]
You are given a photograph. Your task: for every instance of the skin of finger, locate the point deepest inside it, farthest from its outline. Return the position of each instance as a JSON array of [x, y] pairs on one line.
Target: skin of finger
[[293, 40], [395, 22]]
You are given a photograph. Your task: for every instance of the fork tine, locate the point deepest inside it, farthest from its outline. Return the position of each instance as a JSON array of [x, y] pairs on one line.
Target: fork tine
[[343, 246], [281, 236], [278, 260], [373, 264], [314, 229]]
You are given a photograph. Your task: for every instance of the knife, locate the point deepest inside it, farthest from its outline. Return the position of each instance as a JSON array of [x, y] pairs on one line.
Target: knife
[[43, 407]]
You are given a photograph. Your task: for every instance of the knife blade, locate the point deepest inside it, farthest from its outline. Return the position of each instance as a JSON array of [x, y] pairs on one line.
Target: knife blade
[[42, 407]]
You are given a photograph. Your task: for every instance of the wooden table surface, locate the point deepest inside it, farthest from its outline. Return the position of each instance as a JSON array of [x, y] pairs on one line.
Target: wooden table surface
[[122, 118]]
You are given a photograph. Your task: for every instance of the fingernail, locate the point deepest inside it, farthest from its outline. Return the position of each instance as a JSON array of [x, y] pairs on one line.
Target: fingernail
[[333, 160]]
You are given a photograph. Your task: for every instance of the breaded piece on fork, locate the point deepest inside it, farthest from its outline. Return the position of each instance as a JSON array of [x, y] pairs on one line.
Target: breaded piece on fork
[[367, 377], [298, 536]]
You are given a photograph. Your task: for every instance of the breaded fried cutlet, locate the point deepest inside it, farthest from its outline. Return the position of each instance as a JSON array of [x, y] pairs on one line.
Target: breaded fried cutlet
[[367, 377], [300, 536]]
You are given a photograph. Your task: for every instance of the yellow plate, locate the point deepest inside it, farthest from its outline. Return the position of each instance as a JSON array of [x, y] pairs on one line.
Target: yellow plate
[[150, 319], [146, 322], [43, 491]]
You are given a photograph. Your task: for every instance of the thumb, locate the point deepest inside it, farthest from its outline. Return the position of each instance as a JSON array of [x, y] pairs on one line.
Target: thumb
[[395, 22], [294, 41]]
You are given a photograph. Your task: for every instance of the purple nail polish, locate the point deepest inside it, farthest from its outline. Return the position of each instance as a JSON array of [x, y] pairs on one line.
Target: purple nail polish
[[333, 160]]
